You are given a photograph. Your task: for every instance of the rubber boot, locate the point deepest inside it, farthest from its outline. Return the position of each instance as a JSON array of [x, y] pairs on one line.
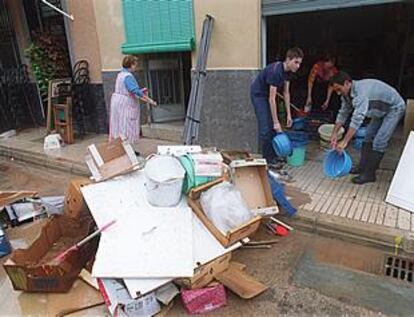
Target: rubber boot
[[366, 146], [372, 163]]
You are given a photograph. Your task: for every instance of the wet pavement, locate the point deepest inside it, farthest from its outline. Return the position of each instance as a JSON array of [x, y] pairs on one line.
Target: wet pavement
[[306, 274]]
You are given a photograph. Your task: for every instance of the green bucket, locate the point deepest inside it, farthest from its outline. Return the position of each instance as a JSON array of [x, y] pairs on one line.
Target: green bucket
[[190, 180], [298, 156]]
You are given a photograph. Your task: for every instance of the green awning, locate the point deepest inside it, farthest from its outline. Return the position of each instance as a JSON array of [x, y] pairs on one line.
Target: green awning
[[158, 26]]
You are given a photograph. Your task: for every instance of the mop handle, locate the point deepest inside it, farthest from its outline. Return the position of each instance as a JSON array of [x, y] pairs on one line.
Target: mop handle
[[291, 104]]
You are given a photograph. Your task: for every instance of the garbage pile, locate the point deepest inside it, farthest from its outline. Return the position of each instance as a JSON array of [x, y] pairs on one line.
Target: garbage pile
[[156, 229]]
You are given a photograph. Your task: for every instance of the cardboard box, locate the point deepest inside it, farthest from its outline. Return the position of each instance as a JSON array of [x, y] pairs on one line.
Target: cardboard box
[[251, 179], [34, 269], [75, 205], [232, 236], [110, 159], [409, 118], [206, 273]]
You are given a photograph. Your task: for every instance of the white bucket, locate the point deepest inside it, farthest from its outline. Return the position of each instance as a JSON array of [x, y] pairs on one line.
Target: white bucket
[[325, 133], [164, 180]]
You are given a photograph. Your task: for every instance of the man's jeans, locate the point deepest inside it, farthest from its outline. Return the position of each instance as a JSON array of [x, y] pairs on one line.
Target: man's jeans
[[380, 130], [265, 127]]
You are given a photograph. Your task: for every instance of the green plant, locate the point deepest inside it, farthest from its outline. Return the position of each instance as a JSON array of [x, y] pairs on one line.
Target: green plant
[[42, 69], [49, 60]]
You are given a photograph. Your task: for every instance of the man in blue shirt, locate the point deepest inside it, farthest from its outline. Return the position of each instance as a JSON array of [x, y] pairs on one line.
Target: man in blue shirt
[[373, 99], [263, 91]]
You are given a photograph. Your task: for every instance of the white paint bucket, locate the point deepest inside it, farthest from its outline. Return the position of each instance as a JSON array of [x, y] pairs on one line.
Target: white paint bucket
[[164, 178]]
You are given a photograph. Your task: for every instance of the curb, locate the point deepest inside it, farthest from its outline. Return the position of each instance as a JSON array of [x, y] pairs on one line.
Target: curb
[[345, 229], [44, 160]]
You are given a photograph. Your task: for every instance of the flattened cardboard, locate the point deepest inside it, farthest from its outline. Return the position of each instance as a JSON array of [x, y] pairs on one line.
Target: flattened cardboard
[[206, 273], [232, 236], [240, 282], [110, 159]]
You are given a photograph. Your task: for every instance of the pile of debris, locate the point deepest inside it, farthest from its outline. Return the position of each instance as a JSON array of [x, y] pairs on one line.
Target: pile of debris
[[151, 230]]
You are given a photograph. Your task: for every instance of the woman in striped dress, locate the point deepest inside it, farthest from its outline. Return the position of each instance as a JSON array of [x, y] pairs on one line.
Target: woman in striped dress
[[125, 109]]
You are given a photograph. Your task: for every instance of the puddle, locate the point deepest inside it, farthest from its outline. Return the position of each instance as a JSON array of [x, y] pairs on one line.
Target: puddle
[[353, 274]]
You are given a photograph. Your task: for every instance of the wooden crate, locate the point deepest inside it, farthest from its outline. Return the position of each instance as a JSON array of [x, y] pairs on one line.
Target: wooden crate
[[232, 236]]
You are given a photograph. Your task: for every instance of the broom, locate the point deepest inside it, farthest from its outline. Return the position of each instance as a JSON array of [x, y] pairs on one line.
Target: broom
[[61, 257]]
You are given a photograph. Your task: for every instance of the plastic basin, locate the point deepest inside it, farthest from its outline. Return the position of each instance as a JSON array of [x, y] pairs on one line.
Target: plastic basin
[[325, 131], [282, 145], [298, 123], [337, 164]]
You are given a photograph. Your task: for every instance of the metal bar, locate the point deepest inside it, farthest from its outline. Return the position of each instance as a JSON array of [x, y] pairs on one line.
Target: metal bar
[[70, 16]]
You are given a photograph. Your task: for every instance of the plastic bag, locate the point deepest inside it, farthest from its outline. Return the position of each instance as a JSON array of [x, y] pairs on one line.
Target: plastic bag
[[224, 205]]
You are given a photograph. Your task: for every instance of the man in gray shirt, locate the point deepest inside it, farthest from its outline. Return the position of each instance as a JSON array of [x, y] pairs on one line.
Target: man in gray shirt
[[367, 98]]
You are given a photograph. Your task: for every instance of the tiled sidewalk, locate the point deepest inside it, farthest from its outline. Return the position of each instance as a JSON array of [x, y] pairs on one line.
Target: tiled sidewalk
[[341, 198]]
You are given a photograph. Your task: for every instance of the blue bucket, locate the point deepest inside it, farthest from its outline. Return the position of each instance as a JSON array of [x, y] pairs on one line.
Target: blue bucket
[[337, 164], [361, 132], [298, 136], [282, 145], [5, 247], [298, 124]]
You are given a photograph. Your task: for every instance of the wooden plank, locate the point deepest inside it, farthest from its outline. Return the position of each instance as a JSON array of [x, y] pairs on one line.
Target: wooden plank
[[381, 214], [374, 212], [241, 283], [391, 214], [346, 207], [404, 219], [367, 210], [360, 210]]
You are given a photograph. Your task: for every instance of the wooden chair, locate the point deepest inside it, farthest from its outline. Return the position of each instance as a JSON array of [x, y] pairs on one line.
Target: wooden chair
[[63, 120]]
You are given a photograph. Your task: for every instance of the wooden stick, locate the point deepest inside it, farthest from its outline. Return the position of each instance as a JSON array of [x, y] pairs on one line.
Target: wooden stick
[[282, 223], [262, 242], [256, 247]]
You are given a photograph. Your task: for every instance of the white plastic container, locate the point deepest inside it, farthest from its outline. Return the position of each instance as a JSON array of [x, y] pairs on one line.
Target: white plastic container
[[325, 133], [164, 180]]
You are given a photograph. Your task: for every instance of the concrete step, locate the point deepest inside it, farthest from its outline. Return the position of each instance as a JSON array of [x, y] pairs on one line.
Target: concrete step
[[41, 159], [164, 131]]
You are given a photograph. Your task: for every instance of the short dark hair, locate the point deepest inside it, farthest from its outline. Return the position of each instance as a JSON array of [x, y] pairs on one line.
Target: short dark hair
[[294, 52], [340, 78], [129, 60]]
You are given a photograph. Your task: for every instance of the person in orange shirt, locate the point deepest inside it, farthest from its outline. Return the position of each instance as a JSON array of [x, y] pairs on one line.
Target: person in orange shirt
[[321, 72]]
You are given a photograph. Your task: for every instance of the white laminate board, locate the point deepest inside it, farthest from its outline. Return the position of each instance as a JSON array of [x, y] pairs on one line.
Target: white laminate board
[[145, 241], [205, 249], [401, 191]]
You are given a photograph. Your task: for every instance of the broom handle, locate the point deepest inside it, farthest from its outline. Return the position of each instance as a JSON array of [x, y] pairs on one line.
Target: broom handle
[[291, 104], [94, 234]]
